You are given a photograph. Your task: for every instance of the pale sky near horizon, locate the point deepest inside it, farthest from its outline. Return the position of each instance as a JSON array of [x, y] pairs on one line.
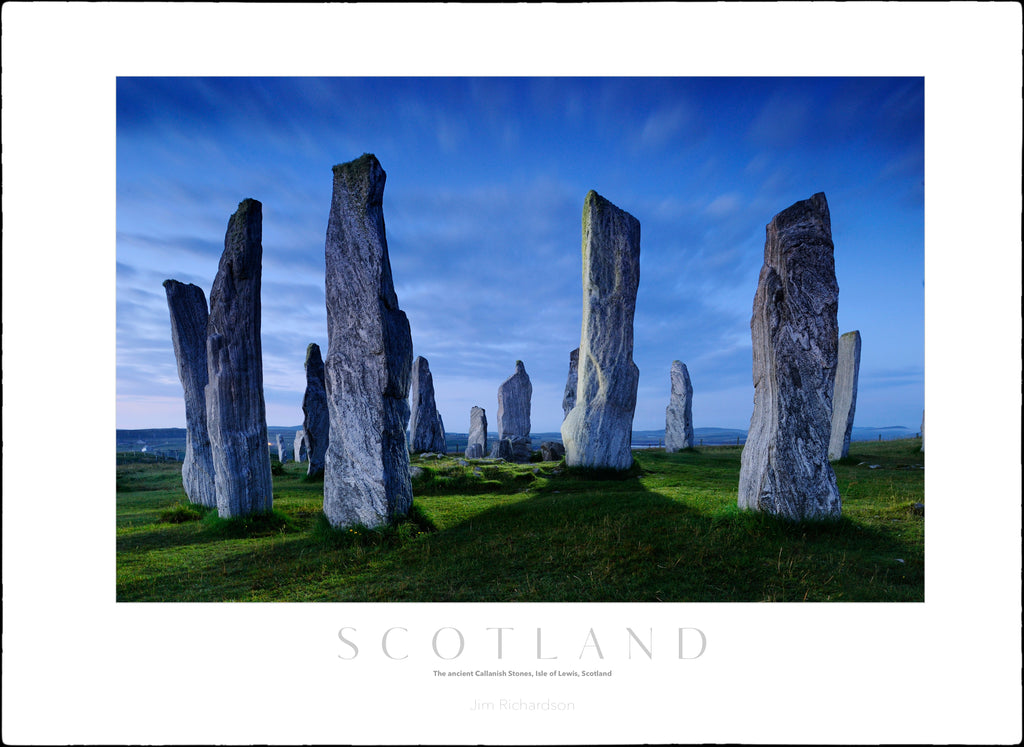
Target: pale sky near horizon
[[483, 203]]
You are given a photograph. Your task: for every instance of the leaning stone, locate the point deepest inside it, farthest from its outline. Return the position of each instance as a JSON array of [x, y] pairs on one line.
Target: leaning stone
[[474, 451], [189, 316], [426, 430], [282, 451], [369, 361], [477, 429], [514, 397], [299, 448], [598, 430], [235, 409], [844, 395], [551, 451], [316, 416], [569, 398], [679, 413], [784, 467]]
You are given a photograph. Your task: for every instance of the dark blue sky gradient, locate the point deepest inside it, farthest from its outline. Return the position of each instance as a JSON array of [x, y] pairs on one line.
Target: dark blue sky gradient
[[486, 180]]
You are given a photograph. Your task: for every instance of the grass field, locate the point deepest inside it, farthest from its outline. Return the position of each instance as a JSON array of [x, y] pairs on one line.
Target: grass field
[[669, 531]]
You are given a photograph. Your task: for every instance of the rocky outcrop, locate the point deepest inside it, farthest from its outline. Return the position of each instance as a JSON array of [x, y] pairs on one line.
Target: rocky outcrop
[[282, 450], [189, 316], [844, 395], [316, 418], [679, 413], [426, 429], [369, 360], [597, 432], [569, 398], [477, 430], [784, 469], [235, 410], [514, 396], [299, 448]]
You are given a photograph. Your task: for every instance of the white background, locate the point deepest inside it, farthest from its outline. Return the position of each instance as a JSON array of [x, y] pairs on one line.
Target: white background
[[78, 667]]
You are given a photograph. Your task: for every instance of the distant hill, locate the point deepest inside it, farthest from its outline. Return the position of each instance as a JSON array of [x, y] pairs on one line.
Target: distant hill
[[173, 439]]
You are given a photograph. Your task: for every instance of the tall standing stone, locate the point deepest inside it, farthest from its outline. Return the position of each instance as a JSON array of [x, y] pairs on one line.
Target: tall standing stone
[[299, 448], [598, 431], [369, 359], [235, 409], [844, 395], [784, 468], [569, 398], [189, 316], [477, 432], [679, 413], [426, 430], [514, 396], [316, 420], [282, 450]]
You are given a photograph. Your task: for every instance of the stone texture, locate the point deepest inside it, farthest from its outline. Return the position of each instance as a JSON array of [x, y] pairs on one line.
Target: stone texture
[[569, 398], [844, 395], [474, 451], [597, 432], [189, 316], [477, 430], [316, 418], [503, 450], [426, 429], [514, 397], [282, 450], [235, 410], [679, 413], [551, 451], [369, 360], [784, 468], [299, 447]]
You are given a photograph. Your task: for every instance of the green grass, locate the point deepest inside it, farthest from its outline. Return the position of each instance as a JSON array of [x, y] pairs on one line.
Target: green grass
[[667, 531]]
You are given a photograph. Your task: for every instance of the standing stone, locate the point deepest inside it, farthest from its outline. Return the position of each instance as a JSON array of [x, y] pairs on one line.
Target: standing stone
[[514, 397], [474, 451], [426, 430], [282, 450], [503, 449], [299, 448], [369, 359], [679, 413], [235, 410], [551, 451], [598, 431], [189, 316], [569, 398], [784, 468], [477, 430], [844, 395], [316, 420]]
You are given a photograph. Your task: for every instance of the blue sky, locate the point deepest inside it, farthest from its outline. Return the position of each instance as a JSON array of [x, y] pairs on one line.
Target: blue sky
[[483, 203]]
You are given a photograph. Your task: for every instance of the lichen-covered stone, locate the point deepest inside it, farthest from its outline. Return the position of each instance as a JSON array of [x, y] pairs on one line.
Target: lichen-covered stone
[[569, 398], [597, 432], [844, 395], [784, 468], [316, 418], [514, 396], [235, 410], [369, 359], [282, 450], [189, 317], [477, 430], [299, 448], [426, 429], [679, 413]]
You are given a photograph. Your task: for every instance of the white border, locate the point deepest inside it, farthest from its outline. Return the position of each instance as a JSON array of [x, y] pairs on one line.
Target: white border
[[80, 668]]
